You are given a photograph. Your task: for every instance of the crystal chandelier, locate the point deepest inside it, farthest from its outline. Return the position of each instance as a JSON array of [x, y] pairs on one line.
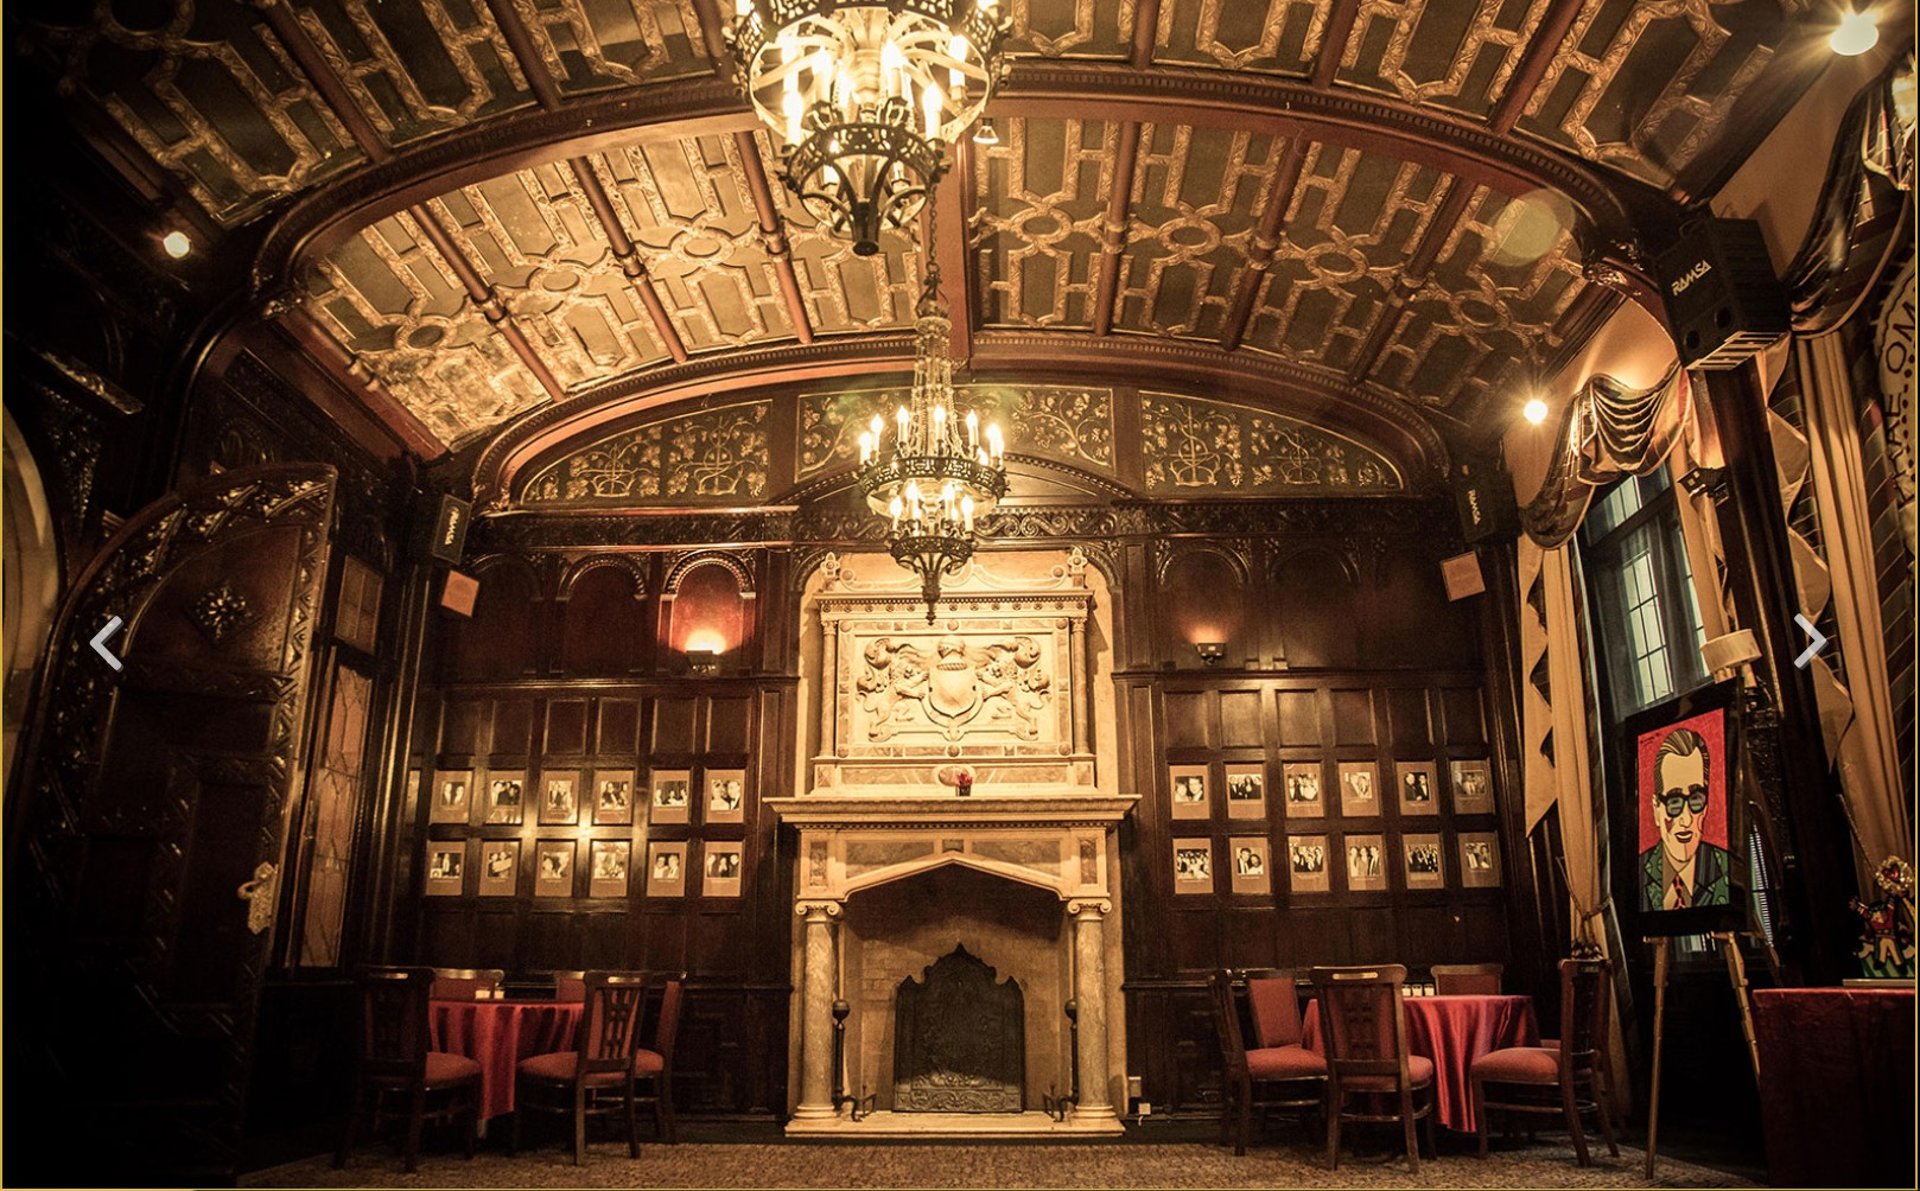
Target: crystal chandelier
[[863, 99], [943, 469]]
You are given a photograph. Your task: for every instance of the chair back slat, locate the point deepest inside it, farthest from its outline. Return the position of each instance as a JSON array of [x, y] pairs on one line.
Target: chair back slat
[[1583, 1012], [1361, 1020], [615, 1002], [667, 1029], [1454, 980], [569, 986], [394, 1034], [459, 984], [1226, 1021], [1275, 1001]]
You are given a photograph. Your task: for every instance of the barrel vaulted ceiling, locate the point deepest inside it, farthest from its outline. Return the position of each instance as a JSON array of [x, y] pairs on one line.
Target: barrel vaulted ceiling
[[518, 219]]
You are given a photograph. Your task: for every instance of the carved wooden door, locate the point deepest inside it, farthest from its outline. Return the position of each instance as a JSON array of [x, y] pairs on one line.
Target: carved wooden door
[[143, 881]]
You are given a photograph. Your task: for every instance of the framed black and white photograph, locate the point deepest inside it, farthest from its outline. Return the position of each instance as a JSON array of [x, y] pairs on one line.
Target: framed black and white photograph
[[1300, 782], [559, 799], [726, 795], [1189, 785], [1246, 790], [607, 863], [452, 797], [1359, 792], [1193, 866], [612, 797], [1366, 861], [1472, 783], [553, 868], [506, 799], [499, 867], [446, 868], [672, 796], [1479, 860], [1414, 780], [720, 876], [1250, 864], [1307, 863], [1425, 867], [667, 869]]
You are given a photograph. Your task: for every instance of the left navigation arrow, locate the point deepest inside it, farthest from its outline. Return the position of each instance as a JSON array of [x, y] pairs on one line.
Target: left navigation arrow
[[99, 642]]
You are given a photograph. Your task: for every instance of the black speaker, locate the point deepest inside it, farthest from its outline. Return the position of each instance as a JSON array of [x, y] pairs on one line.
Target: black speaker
[[1483, 492], [447, 531], [1722, 297]]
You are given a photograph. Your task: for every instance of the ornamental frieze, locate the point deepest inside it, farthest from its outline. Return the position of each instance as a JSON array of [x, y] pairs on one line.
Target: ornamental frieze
[[1072, 424], [717, 454], [1199, 446]]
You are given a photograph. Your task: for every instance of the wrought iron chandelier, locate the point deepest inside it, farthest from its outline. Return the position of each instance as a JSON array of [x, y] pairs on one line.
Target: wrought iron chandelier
[[862, 99], [943, 471]]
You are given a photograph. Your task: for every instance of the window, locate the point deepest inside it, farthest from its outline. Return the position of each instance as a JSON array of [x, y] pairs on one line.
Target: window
[[1646, 619]]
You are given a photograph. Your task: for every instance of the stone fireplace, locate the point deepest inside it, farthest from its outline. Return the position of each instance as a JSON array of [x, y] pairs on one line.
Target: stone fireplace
[[900, 873]]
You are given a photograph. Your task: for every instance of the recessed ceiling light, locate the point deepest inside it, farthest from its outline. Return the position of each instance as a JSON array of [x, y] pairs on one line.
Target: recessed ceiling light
[[1534, 411], [1856, 33], [177, 244]]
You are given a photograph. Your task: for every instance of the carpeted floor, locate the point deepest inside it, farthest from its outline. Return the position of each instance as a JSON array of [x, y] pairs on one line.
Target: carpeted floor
[[1276, 1163]]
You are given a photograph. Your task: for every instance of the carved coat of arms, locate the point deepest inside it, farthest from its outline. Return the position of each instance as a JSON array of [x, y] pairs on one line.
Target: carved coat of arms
[[954, 685]]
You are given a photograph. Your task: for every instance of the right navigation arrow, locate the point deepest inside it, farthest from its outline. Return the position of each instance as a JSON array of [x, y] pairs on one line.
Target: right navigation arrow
[[1817, 640]]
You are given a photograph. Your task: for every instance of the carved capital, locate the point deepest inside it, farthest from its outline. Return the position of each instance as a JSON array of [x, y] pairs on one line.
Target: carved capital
[[817, 911], [1089, 909]]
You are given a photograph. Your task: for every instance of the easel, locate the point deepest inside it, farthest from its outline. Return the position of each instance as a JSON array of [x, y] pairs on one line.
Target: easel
[[1736, 975]]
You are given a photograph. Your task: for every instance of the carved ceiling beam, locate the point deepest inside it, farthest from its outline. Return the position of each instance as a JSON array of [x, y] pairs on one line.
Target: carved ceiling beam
[[1525, 80], [773, 233], [1146, 27], [1266, 241], [1333, 42], [954, 195], [540, 81], [357, 380], [1113, 229]]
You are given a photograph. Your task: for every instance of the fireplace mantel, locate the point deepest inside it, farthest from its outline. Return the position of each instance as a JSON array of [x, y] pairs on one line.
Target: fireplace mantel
[[860, 812]]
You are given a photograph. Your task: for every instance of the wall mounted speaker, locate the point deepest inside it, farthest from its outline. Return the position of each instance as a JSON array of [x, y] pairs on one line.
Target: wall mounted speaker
[[1483, 492], [447, 540], [1722, 297]]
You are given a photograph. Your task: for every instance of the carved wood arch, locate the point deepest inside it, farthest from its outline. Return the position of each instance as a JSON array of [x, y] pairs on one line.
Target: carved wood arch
[[519, 564], [1284, 553], [630, 565], [687, 564], [1170, 557]]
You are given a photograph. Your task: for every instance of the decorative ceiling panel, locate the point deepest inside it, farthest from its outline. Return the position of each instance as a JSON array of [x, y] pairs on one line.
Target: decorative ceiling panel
[[390, 299], [1197, 198], [1269, 36], [1040, 196], [533, 237], [590, 45], [689, 209], [1354, 220], [1200, 447], [1508, 271], [844, 292], [207, 92], [1643, 87], [1455, 54], [1069, 424], [1071, 28], [713, 456]]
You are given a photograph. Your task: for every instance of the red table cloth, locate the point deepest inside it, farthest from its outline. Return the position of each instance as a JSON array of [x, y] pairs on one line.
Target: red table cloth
[[1453, 1032], [1836, 1085], [498, 1034]]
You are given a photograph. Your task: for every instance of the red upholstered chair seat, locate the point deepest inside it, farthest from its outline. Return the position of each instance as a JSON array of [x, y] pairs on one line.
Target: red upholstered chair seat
[[648, 1062], [444, 1069], [560, 1066], [1285, 1062], [1419, 1075], [1520, 1064]]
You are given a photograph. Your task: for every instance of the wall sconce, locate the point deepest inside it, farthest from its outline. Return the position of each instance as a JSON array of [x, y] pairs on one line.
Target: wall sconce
[[703, 662], [1210, 651]]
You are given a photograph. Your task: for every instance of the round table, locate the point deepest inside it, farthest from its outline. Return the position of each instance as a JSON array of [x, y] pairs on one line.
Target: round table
[[1453, 1032], [498, 1034]]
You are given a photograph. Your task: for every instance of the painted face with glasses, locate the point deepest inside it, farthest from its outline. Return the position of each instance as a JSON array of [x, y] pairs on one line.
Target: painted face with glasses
[[1683, 870]]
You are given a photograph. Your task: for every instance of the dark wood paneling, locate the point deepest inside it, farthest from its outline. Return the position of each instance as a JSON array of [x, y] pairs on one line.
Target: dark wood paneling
[[566, 726]]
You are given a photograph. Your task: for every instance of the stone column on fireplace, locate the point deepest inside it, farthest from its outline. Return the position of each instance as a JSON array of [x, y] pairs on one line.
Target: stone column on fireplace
[[817, 992], [1090, 992]]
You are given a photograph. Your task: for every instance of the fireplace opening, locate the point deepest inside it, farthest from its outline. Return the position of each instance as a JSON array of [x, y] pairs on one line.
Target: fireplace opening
[[959, 1039]]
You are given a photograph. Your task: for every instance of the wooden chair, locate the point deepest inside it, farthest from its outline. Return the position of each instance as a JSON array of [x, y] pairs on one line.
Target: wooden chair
[[1573, 1065], [1365, 1029], [653, 1066], [393, 1056], [1289, 1075], [581, 1082], [568, 985], [1456, 980], [459, 984], [1273, 996]]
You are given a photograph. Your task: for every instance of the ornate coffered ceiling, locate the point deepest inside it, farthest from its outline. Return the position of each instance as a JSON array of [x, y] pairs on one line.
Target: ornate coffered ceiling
[[1378, 216]]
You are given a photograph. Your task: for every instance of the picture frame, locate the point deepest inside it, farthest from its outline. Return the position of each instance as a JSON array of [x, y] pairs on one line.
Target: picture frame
[[613, 796], [1307, 857], [671, 796], [1472, 785], [1188, 792], [506, 798], [445, 865], [560, 798], [499, 867], [1479, 860], [1365, 861], [608, 865], [1246, 790], [553, 868], [1359, 789], [667, 868], [1193, 865], [1251, 866], [1304, 797], [452, 796], [726, 796], [1685, 863], [722, 866], [1423, 860], [1417, 787]]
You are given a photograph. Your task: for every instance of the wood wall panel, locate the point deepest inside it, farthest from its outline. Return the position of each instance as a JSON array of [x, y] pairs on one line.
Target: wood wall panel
[[1353, 722], [1241, 725], [1189, 720], [1300, 718], [566, 726]]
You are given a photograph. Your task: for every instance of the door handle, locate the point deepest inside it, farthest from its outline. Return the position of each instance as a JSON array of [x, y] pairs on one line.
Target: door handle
[[258, 894]]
